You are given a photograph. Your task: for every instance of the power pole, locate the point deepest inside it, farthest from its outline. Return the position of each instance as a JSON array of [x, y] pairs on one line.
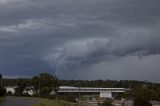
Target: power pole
[[1, 80], [39, 86], [79, 91]]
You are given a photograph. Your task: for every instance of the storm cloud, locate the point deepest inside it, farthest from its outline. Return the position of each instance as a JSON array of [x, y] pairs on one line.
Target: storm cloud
[[77, 39]]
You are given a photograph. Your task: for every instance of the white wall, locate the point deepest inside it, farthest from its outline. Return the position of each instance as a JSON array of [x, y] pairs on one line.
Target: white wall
[[11, 89], [107, 94]]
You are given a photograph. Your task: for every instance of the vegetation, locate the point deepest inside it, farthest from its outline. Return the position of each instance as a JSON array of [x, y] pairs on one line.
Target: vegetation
[[71, 97], [46, 102], [107, 103], [2, 99], [2, 90], [21, 87], [45, 85], [143, 95], [42, 85]]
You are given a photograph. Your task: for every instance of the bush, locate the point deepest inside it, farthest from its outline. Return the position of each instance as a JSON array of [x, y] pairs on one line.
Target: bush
[[139, 102], [2, 92], [107, 103], [71, 97], [142, 96]]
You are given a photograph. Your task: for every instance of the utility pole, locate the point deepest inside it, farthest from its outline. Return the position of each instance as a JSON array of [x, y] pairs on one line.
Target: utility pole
[[79, 91], [39, 86], [1, 80]]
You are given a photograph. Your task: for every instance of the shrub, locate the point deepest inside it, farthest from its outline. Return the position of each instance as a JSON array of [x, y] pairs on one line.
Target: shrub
[[107, 103], [2, 92]]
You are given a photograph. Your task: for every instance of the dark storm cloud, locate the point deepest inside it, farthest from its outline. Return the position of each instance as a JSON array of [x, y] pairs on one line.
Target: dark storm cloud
[[89, 52], [76, 38]]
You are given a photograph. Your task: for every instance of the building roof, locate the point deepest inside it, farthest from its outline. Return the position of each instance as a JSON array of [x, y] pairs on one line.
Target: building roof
[[70, 87]]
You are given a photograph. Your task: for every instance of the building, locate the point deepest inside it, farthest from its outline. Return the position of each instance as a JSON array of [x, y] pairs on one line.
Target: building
[[10, 89], [103, 92]]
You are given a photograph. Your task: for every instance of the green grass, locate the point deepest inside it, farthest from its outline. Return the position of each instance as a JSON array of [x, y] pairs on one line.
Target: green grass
[[2, 99], [46, 102]]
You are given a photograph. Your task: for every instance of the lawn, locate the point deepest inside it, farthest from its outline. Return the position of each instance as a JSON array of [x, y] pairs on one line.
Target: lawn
[[46, 102]]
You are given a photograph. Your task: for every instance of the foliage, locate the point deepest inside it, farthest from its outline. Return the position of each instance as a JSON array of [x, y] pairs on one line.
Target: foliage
[[107, 103], [44, 84], [71, 97], [142, 97], [50, 81], [41, 85], [46, 102], [35, 84], [2, 99], [22, 84], [2, 92], [108, 83]]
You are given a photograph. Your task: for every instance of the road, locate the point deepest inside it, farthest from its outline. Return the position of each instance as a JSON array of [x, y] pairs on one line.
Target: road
[[19, 101]]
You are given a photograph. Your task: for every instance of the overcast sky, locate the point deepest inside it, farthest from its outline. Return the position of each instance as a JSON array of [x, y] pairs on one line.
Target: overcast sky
[[81, 39]]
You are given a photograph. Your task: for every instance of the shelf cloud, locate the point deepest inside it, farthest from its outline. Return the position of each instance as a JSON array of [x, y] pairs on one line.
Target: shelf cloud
[[91, 39]]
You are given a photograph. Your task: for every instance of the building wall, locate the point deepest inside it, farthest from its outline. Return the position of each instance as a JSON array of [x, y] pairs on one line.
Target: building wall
[[10, 89], [106, 94]]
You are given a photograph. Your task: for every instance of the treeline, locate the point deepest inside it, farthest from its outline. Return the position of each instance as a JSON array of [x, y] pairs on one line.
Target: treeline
[[108, 83], [89, 83]]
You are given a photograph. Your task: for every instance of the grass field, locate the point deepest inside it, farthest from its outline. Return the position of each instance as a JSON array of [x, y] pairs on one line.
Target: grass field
[[46, 102], [2, 99]]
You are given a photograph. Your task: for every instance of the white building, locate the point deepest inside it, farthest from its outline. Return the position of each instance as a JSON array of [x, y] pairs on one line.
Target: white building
[[10, 89], [103, 92]]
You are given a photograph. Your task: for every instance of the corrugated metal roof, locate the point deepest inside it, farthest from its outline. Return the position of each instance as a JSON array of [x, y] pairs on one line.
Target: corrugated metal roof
[[70, 87]]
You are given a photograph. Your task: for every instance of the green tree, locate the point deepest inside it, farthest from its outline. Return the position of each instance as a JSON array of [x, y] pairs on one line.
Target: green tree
[[35, 84], [142, 96], [107, 103], [44, 84], [22, 84], [2, 92]]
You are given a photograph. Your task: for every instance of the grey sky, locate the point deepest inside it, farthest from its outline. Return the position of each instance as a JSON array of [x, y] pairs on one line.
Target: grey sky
[[81, 39]]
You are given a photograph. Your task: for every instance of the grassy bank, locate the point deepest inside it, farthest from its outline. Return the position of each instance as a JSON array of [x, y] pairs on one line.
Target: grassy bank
[[2, 99], [46, 102]]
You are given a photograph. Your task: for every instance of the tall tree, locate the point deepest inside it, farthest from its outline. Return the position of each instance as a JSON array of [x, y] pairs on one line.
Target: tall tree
[[45, 83], [22, 84]]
